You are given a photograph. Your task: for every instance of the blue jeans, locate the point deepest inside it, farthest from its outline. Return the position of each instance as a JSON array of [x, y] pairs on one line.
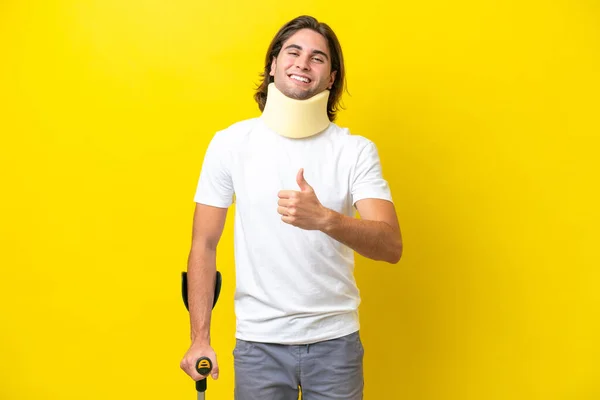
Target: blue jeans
[[328, 370]]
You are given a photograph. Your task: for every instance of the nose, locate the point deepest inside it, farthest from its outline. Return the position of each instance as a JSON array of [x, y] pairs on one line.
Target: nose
[[302, 63]]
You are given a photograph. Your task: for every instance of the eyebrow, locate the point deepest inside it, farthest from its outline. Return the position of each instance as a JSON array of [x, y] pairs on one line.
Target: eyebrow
[[295, 46]]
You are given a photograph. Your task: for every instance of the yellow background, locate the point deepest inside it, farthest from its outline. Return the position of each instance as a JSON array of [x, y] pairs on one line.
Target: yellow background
[[485, 115]]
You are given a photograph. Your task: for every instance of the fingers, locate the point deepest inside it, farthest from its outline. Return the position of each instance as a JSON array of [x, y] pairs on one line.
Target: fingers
[[215, 372], [188, 365], [287, 211], [287, 206], [287, 194], [285, 202]]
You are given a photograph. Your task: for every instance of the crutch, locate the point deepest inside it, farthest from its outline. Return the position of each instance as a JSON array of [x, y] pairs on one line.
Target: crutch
[[203, 364]]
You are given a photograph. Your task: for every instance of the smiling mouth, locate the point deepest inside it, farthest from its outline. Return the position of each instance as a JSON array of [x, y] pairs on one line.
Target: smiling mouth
[[300, 78]]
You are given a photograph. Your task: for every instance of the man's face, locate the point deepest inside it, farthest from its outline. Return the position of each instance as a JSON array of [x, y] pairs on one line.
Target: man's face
[[303, 67]]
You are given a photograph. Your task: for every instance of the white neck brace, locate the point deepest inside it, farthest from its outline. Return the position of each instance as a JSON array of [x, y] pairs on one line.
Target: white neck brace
[[293, 118]]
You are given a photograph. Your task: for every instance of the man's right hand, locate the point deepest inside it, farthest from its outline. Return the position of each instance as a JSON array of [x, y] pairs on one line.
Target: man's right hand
[[197, 350]]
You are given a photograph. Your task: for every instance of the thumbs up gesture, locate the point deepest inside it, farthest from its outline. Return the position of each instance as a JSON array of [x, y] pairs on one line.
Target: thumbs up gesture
[[302, 208]]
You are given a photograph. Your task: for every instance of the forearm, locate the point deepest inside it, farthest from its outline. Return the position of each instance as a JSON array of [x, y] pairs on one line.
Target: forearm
[[201, 279], [376, 240]]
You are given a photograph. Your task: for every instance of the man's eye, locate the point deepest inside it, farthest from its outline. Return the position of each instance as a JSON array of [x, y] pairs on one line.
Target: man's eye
[[294, 54], [317, 59]]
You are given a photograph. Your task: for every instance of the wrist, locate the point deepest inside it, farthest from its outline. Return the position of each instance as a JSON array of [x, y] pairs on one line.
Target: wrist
[[330, 220], [200, 338]]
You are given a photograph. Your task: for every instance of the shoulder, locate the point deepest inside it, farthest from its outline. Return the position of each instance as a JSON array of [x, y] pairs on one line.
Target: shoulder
[[238, 128], [234, 133], [348, 140]]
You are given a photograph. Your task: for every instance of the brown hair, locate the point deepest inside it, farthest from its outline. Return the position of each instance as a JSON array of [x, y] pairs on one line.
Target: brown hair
[[337, 60]]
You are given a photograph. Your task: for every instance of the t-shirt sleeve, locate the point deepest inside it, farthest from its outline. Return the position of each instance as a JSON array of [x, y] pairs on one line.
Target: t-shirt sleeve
[[368, 182], [215, 187]]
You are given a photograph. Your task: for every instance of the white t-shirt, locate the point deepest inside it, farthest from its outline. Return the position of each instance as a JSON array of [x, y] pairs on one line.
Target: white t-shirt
[[293, 286]]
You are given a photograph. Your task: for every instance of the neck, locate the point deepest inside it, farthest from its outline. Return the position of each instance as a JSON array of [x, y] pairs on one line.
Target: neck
[[293, 118]]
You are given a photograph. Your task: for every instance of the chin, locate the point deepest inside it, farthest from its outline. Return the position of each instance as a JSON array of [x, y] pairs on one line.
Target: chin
[[303, 96], [297, 94]]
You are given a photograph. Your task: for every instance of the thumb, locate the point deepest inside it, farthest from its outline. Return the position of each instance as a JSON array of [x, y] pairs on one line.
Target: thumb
[[215, 372], [304, 186]]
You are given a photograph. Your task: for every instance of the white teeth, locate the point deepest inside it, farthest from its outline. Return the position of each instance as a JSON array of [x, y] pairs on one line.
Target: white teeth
[[299, 78]]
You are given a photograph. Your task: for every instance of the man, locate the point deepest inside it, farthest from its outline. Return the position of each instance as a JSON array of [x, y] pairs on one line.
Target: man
[[296, 177]]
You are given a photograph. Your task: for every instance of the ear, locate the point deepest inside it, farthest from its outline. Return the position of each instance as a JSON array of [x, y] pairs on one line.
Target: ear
[[273, 66], [332, 79]]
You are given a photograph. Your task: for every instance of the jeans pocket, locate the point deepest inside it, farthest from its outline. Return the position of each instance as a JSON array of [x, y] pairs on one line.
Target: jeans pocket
[[358, 343], [242, 347]]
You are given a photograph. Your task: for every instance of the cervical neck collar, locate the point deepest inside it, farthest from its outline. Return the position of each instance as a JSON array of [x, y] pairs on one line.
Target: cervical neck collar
[[293, 118]]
